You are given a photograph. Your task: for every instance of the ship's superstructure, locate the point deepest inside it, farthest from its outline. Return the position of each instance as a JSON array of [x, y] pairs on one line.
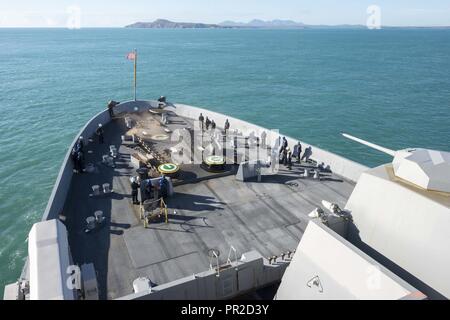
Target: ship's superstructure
[[399, 213]]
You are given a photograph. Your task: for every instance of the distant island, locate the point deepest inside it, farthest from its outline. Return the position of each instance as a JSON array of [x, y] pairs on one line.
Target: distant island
[[167, 24], [256, 23]]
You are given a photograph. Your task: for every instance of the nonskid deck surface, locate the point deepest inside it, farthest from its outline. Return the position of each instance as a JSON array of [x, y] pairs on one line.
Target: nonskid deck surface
[[214, 213]]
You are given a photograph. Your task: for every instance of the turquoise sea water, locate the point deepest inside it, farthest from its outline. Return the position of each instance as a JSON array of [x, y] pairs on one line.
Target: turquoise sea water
[[389, 86]]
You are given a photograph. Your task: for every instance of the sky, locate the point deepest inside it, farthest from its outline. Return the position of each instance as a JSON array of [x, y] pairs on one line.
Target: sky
[[113, 13]]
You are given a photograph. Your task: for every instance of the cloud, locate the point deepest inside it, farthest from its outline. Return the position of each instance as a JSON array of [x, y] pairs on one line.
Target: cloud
[[31, 19]]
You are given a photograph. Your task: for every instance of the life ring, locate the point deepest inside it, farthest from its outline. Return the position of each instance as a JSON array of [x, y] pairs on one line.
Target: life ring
[[160, 137], [168, 168]]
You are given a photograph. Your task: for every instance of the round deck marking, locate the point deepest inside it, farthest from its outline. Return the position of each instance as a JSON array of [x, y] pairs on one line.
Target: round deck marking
[[160, 137], [215, 160], [168, 168]]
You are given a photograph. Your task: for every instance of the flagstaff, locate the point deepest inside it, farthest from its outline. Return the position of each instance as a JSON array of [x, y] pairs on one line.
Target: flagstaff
[[135, 74], [133, 56]]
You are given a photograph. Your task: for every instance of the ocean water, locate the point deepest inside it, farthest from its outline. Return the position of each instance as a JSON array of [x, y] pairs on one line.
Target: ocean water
[[391, 87]]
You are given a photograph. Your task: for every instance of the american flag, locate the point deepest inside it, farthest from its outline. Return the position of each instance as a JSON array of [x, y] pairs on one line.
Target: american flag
[[131, 56]]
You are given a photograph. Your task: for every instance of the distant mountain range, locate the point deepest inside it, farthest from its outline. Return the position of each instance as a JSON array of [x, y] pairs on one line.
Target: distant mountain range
[[263, 24], [166, 24], [273, 24]]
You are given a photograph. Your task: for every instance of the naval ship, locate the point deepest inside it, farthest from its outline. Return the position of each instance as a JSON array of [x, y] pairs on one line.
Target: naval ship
[[232, 221]]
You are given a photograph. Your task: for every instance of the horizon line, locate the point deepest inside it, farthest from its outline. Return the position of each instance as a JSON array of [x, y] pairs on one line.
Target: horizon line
[[233, 24], [231, 27]]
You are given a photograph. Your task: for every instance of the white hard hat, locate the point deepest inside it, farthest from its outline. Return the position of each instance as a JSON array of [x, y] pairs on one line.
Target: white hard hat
[[100, 125]]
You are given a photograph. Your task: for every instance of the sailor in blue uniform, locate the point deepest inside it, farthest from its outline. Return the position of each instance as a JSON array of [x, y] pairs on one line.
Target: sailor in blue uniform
[[99, 132], [289, 159], [227, 126], [284, 145], [79, 146], [307, 154], [80, 161], [148, 189], [74, 156], [263, 139], [201, 119], [298, 152], [163, 187], [134, 190]]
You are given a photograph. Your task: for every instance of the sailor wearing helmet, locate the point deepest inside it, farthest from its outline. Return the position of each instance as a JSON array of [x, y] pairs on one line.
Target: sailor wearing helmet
[[134, 190], [80, 144], [289, 158], [99, 132]]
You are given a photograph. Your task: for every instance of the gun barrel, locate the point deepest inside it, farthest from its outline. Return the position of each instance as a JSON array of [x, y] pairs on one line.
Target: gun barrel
[[370, 144]]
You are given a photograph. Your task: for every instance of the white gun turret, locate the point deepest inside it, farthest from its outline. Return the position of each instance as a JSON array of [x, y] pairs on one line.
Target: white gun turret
[[426, 169]]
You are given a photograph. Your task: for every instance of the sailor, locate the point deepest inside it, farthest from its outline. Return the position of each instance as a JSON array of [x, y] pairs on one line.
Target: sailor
[[148, 189], [202, 121], [134, 190], [74, 156], [111, 105], [227, 126], [283, 157], [263, 139], [80, 161], [321, 166], [307, 154], [143, 192], [284, 145], [207, 123], [298, 152], [79, 146], [213, 125], [99, 132], [163, 187], [289, 159]]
